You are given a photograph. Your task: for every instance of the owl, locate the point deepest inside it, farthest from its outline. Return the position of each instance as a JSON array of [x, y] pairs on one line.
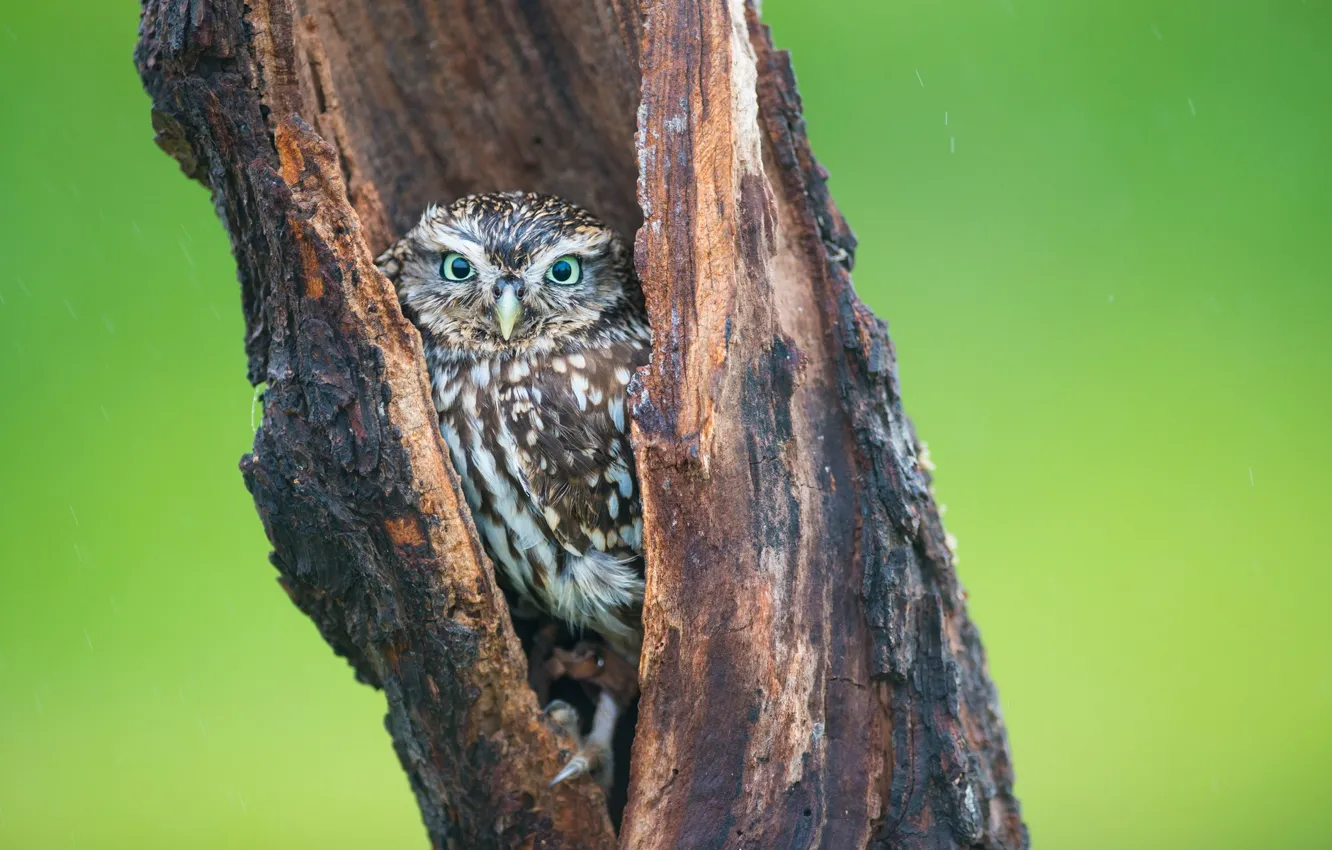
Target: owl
[[533, 323]]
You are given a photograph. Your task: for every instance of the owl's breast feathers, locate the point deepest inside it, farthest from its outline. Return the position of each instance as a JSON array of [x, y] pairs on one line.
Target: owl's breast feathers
[[541, 444]]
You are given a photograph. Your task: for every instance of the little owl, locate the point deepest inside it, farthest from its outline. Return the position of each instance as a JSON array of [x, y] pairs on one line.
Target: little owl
[[533, 324]]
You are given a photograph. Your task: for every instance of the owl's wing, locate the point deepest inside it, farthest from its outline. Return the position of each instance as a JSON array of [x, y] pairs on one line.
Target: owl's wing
[[569, 421]]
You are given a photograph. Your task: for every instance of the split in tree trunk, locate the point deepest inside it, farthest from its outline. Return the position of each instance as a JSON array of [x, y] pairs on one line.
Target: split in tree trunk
[[809, 675]]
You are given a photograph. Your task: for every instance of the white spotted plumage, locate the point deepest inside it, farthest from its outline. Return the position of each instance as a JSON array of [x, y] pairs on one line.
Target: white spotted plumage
[[536, 423]]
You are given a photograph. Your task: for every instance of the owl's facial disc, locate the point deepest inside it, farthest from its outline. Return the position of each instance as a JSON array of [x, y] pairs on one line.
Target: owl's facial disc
[[510, 272]]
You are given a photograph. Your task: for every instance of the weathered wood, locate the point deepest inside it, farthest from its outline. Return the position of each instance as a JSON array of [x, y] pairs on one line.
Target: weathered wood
[[810, 677], [799, 575]]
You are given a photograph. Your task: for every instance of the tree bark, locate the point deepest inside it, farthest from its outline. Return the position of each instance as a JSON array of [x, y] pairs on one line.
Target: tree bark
[[809, 675]]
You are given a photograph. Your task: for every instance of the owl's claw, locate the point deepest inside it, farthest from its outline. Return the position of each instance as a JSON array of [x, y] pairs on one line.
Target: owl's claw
[[564, 715], [594, 752], [592, 759], [577, 766], [585, 760]]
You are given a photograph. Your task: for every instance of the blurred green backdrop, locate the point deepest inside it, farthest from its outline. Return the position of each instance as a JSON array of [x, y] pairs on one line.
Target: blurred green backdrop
[[1101, 233]]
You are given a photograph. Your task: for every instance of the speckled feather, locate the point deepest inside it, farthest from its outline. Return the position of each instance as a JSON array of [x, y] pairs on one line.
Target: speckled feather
[[537, 424]]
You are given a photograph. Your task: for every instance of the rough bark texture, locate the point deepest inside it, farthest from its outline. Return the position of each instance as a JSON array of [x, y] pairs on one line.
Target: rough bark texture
[[810, 677]]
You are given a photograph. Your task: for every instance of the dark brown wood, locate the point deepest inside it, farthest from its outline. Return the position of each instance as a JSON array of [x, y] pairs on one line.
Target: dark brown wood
[[809, 677]]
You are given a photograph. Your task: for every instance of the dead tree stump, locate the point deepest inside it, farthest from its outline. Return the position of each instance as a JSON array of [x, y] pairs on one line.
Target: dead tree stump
[[810, 677]]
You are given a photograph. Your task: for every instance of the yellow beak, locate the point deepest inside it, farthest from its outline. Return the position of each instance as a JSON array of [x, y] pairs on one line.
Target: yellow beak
[[508, 310]]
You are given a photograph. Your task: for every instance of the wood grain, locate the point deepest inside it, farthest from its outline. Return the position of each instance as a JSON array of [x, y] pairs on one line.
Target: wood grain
[[799, 574]]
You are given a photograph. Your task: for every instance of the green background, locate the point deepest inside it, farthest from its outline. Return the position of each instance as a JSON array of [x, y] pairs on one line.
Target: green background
[[1101, 234]]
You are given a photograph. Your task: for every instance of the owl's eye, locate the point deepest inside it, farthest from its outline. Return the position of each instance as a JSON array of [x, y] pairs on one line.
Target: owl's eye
[[456, 267], [564, 271]]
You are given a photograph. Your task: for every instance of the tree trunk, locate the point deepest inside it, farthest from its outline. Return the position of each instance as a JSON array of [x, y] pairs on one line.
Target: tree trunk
[[809, 675]]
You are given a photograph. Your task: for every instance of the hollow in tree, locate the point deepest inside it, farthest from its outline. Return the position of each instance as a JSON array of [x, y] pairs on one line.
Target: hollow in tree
[[809, 675]]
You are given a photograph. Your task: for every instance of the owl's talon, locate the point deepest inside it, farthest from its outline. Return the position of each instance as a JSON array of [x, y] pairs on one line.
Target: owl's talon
[[564, 715], [577, 766], [593, 759], [594, 752], [589, 755]]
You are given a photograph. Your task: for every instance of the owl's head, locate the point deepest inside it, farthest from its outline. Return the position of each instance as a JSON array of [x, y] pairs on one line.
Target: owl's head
[[510, 271]]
